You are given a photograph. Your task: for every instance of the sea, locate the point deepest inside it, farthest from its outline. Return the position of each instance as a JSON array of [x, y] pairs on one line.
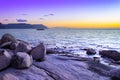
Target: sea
[[69, 39]]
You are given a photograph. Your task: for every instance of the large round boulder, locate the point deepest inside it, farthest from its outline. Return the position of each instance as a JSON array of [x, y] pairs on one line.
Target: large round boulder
[[9, 77], [21, 60], [5, 59], [38, 53], [112, 54], [21, 46], [7, 38]]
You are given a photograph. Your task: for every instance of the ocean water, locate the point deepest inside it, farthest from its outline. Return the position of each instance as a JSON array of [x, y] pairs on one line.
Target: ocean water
[[71, 40]]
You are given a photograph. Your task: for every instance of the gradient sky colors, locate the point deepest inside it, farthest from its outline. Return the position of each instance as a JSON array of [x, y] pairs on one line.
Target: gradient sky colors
[[62, 13]]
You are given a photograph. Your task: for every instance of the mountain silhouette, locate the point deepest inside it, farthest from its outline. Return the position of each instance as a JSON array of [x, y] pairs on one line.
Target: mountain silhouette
[[22, 26]]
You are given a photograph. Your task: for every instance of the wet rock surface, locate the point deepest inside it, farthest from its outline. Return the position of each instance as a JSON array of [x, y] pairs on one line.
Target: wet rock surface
[[56, 68]]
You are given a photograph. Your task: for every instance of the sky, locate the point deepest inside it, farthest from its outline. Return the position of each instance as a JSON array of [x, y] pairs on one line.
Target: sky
[[62, 13]]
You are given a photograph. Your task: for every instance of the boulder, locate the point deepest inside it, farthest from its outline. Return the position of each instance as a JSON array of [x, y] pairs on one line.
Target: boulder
[[39, 52], [14, 45], [5, 59], [21, 60], [90, 51], [50, 51], [6, 45], [21, 46], [7, 38], [9, 77], [112, 54]]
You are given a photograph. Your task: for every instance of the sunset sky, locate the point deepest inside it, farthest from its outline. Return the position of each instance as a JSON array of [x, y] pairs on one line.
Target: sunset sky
[[62, 13]]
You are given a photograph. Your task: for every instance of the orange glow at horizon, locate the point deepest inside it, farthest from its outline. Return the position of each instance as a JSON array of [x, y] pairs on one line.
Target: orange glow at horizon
[[80, 24]]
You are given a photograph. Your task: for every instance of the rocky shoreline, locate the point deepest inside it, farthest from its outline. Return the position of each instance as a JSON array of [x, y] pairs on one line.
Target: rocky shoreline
[[20, 61]]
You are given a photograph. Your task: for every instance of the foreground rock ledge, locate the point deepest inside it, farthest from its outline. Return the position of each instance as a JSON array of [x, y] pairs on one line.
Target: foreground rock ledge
[[56, 68]]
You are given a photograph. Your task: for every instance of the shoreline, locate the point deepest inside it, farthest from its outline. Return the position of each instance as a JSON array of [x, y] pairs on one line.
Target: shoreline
[[51, 63]]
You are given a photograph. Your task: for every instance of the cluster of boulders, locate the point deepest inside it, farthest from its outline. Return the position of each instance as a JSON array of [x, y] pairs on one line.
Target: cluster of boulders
[[19, 54], [111, 54]]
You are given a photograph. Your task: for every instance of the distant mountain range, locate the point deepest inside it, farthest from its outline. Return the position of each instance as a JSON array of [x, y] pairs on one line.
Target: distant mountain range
[[22, 26]]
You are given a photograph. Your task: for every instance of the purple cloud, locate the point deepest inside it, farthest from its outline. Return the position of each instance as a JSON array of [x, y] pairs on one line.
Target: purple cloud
[[6, 20], [41, 18], [46, 15], [21, 20], [51, 14]]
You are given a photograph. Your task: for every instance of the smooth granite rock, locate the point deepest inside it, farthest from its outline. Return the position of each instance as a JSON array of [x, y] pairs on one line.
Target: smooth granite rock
[[67, 68], [21, 60], [5, 59], [39, 52], [7, 38], [57, 68], [21, 46]]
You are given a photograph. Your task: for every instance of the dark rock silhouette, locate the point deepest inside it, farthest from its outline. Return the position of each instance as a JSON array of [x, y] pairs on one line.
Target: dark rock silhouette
[[22, 26], [39, 52], [5, 59], [21, 60], [50, 51], [112, 54], [90, 51]]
